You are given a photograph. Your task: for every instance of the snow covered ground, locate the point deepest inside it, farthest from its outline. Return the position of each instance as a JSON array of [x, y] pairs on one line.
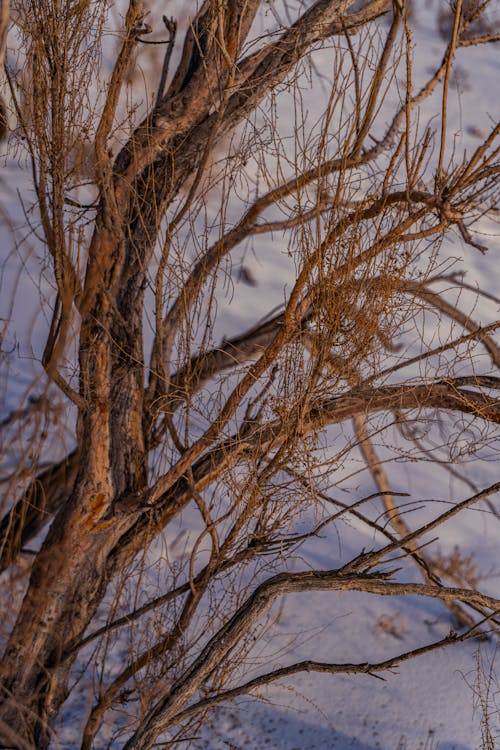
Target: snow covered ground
[[430, 703]]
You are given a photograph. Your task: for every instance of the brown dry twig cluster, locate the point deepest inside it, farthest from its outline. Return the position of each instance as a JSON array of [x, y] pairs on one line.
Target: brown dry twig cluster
[[145, 192]]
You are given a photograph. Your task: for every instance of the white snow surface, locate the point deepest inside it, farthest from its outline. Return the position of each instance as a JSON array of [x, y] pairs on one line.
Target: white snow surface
[[429, 702]]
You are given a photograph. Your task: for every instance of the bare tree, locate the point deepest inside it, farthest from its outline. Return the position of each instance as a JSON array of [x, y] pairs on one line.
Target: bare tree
[[144, 193]]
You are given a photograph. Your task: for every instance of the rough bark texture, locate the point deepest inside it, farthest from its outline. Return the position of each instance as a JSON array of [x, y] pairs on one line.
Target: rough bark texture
[[104, 502]]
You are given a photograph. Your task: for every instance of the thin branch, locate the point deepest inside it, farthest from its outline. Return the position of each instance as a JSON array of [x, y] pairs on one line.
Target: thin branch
[[394, 516], [444, 124], [40, 501], [370, 559], [163, 714], [453, 312], [171, 27], [322, 668], [477, 333]]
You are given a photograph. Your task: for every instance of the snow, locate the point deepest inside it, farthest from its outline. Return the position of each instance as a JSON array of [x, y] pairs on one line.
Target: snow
[[425, 704]]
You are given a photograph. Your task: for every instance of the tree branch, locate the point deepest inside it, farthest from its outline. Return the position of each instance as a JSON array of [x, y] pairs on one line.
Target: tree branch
[[322, 668], [163, 714]]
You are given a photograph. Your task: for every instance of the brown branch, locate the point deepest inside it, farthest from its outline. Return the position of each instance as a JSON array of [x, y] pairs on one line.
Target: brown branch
[[269, 436], [394, 516], [321, 668], [445, 395], [485, 39], [444, 125], [453, 312], [213, 256], [165, 644], [40, 501], [163, 714], [171, 27], [248, 226], [265, 69], [370, 559], [441, 395], [294, 311], [103, 160], [253, 548], [378, 79], [478, 333], [201, 75]]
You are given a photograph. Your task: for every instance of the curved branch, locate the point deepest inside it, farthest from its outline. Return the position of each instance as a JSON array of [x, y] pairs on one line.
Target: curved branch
[[370, 559], [395, 518], [213, 256], [268, 67], [40, 501], [321, 668], [253, 548], [46, 494], [437, 301], [440, 395], [162, 715]]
